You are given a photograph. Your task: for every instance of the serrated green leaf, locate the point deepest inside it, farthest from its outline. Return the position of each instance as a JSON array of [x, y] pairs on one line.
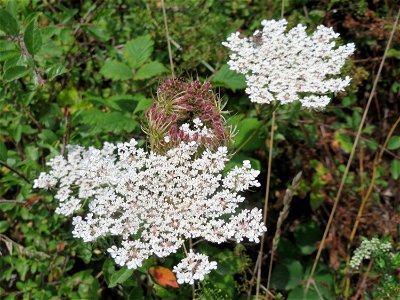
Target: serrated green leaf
[[395, 169], [32, 38], [3, 152], [228, 79], [138, 51], [55, 71], [149, 70], [114, 121], [120, 276], [394, 143], [143, 104], [7, 23], [116, 70], [8, 54], [12, 62], [14, 73]]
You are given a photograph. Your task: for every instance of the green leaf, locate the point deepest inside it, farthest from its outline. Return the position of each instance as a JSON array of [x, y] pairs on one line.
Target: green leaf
[[149, 70], [143, 104], [108, 269], [114, 121], [84, 251], [32, 38], [246, 136], [4, 226], [12, 62], [395, 168], [8, 54], [298, 294], [120, 276], [55, 71], [287, 275], [307, 235], [14, 73], [394, 143], [228, 79], [125, 103], [138, 51], [7, 23], [116, 70], [237, 161], [3, 152]]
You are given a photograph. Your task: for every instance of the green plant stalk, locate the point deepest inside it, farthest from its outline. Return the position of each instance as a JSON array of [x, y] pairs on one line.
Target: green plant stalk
[[377, 161], [350, 160], [271, 144]]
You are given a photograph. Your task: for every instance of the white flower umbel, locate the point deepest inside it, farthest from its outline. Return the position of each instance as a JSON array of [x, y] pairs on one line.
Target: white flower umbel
[[194, 267], [152, 202], [367, 249], [287, 66]]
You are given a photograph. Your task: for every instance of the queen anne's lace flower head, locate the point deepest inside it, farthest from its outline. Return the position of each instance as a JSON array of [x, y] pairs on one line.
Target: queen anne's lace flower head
[[154, 202], [193, 267], [287, 66]]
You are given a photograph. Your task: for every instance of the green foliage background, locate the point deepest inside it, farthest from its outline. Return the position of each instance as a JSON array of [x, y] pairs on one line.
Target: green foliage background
[[83, 72]]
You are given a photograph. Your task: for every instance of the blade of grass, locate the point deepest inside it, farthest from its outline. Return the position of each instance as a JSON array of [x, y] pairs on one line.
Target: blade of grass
[[171, 62]]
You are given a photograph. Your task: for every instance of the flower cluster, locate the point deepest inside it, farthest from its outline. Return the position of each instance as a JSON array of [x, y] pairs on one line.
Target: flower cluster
[[154, 202], [367, 249], [288, 66], [193, 267], [178, 103]]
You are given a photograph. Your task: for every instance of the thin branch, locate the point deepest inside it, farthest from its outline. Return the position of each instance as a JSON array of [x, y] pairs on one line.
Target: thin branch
[[171, 62], [23, 176], [66, 135], [12, 201], [328, 225]]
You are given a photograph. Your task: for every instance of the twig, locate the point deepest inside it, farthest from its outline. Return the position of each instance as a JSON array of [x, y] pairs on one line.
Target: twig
[[12, 201], [171, 62], [66, 135], [26, 53], [21, 249], [373, 58], [287, 199], [351, 155], [364, 279], [271, 144], [15, 171]]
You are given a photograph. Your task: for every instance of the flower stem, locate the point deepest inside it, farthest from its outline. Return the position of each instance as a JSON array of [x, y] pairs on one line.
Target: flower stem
[[260, 254]]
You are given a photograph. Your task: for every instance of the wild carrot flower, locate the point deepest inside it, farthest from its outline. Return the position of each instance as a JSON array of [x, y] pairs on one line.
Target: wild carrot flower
[[288, 66], [193, 267], [154, 202]]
